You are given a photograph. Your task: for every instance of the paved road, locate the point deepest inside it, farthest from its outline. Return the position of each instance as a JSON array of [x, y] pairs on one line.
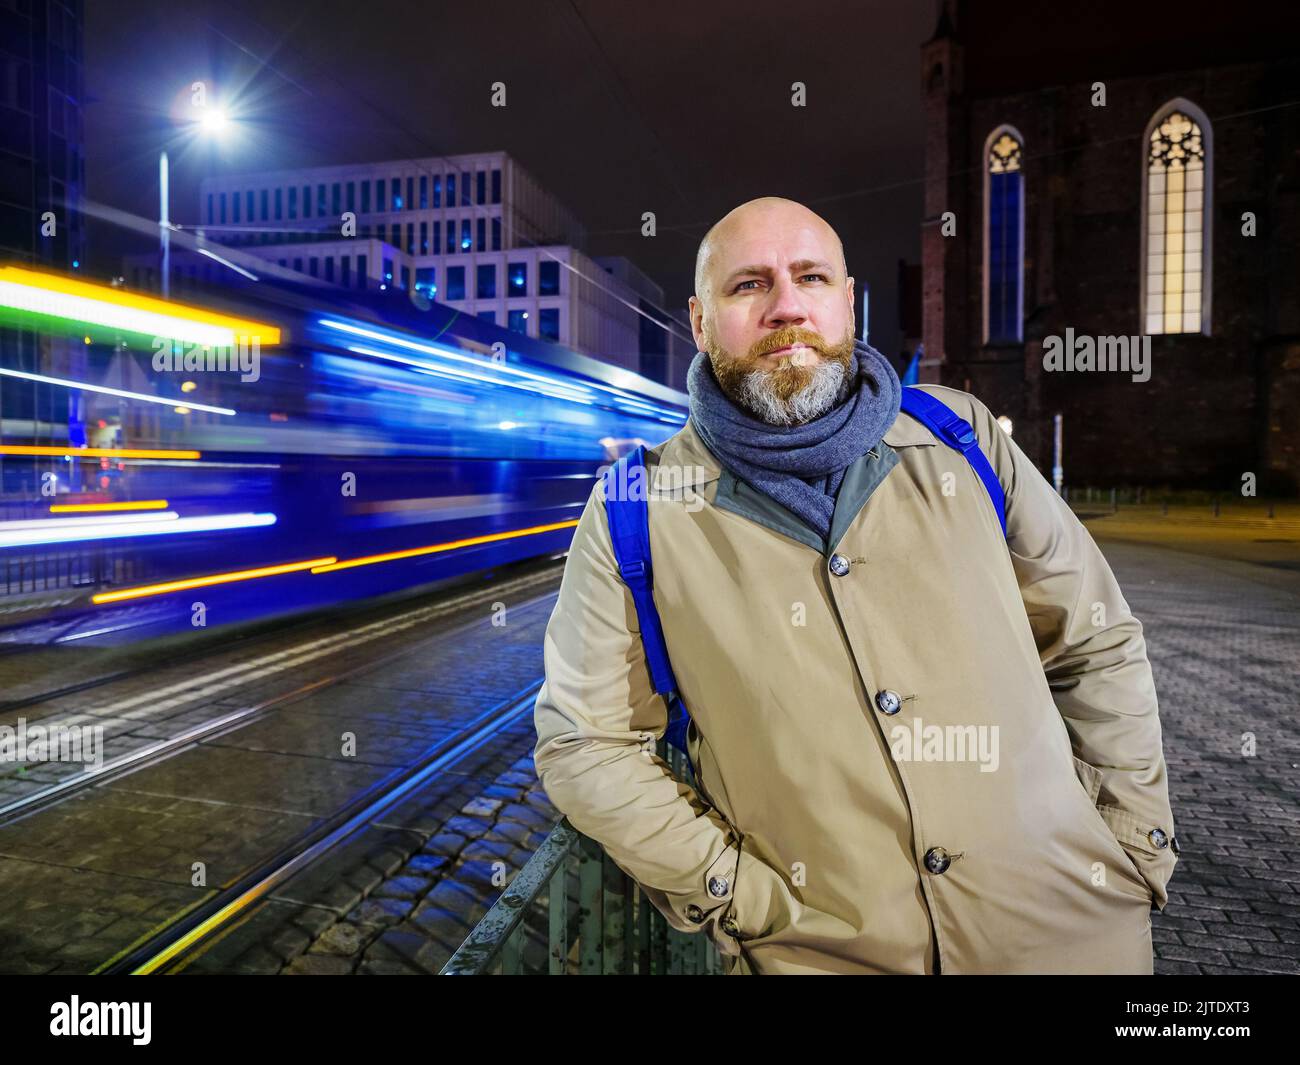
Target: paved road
[[1224, 640]]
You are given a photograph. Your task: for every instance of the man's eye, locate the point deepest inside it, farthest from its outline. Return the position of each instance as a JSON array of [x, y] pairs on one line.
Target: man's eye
[[744, 283], [820, 277]]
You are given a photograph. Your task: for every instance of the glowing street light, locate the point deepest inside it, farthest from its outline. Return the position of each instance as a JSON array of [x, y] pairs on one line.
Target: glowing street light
[[214, 121], [211, 121]]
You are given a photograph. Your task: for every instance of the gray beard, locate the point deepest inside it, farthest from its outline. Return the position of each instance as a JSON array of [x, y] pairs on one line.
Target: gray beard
[[828, 388]]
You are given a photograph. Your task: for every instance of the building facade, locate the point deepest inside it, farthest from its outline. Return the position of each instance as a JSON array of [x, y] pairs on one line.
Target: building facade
[[476, 232], [1130, 195], [42, 181]]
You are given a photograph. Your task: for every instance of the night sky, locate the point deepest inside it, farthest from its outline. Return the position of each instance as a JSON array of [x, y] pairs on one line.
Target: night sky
[[678, 108]]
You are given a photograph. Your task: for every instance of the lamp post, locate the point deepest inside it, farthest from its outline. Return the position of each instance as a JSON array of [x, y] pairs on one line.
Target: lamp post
[[164, 225], [212, 121]]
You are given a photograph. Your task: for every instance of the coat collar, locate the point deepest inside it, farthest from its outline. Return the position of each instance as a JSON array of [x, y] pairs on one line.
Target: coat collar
[[684, 461]]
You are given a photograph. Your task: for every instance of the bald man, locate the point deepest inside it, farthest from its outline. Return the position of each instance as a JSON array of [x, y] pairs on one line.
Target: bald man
[[773, 308], [919, 743]]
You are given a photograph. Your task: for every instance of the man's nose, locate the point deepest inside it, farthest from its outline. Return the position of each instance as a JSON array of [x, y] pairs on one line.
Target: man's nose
[[785, 305]]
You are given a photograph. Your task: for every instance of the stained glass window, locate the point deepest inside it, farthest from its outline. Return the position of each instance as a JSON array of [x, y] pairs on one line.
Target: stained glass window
[[1175, 225], [1004, 227]]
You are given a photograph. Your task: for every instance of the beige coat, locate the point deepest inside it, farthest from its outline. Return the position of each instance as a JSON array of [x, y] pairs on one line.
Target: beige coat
[[1028, 831]]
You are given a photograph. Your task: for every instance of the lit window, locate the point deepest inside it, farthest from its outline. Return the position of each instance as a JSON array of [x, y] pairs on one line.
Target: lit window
[[1004, 233], [1175, 298], [518, 279]]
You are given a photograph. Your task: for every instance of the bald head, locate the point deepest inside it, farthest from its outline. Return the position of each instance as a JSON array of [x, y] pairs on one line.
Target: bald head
[[771, 217]]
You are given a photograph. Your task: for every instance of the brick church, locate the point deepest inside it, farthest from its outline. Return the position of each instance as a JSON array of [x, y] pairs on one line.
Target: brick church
[[1119, 178]]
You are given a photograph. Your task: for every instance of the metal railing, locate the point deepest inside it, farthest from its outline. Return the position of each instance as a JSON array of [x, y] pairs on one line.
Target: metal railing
[[1197, 503], [572, 911], [76, 566]]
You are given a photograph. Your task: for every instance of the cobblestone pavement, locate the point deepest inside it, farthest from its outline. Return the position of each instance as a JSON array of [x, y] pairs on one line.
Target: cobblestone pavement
[[1224, 641], [401, 898]]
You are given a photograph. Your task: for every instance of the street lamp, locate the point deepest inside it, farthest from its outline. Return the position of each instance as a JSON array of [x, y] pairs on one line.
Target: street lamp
[[213, 122]]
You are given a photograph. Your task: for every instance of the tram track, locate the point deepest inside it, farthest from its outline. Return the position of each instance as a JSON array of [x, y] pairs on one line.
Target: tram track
[[224, 723], [167, 949]]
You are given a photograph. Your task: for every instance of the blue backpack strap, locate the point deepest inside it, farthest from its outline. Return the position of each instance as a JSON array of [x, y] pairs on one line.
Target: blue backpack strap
[[629, 532], [957, 433]]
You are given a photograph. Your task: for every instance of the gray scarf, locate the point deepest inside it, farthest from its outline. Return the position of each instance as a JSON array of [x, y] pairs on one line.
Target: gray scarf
[[800, 466]]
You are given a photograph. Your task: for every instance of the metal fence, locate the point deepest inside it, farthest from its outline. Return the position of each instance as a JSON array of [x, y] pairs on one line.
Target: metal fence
[[1193, 503], [572, 911]]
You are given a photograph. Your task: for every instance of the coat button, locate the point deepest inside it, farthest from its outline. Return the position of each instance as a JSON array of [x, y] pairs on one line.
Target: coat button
[[937, 860], [730, 926], [695, 914], [718, 886], [889, 701], [1173, 843], [1158, 838], [839, 565]]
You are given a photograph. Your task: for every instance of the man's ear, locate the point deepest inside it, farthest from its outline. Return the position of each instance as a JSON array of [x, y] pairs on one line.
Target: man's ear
[[696, 308]]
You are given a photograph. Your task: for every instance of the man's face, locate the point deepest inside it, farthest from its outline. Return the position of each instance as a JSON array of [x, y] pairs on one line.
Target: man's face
[[775, 313]]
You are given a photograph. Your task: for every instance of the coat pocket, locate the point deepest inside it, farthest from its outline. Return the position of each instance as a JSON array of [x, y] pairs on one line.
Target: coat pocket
[[1119, 823], [708, 779], [1090, 777]]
